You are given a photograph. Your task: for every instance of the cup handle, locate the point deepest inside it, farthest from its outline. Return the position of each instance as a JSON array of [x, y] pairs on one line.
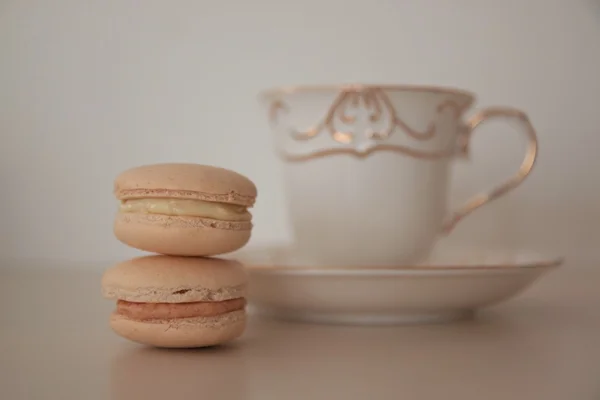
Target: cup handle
[[508, 185]]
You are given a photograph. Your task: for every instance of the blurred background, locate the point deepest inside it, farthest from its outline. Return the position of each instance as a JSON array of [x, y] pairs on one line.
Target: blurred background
[[88, 89]]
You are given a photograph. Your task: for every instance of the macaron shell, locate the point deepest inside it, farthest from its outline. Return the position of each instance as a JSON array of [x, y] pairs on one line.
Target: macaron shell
[[170, 279], [182, 333], [192, 181], [180, 236]]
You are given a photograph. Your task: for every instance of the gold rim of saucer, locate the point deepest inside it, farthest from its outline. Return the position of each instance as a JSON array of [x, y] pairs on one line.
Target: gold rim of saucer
[[366, 86], [261, 267]]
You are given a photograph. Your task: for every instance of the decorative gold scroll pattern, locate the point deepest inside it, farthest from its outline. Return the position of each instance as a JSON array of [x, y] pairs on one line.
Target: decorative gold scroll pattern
[[379, 108]]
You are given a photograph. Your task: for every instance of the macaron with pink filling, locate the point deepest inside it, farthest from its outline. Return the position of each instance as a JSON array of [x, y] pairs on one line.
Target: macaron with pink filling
[[170, 301]]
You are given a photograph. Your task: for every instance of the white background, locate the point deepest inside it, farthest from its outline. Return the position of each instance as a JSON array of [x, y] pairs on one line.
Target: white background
[[89, 88]]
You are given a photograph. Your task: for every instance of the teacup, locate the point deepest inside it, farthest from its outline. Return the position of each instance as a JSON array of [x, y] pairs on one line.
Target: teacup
[[367, 168]]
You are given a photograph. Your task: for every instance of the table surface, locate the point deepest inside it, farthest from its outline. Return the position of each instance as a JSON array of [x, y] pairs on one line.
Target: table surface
[[545, 344]]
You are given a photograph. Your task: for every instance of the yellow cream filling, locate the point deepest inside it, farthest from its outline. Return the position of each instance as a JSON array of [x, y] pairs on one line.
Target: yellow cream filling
[[188, 208]]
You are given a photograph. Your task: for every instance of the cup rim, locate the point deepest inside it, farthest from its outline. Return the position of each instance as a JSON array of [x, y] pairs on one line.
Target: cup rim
[[290, 89]]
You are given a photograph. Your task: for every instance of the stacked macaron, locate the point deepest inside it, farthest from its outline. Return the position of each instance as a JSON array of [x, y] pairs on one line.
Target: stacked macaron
[[187, 214]]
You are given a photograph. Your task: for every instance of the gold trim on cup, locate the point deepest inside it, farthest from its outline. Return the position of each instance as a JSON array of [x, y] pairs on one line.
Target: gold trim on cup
[[404, 150], [377, 103], [361, 87], [380, 108]]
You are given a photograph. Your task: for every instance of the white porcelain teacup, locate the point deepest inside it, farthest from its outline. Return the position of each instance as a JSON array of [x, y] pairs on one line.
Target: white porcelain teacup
[[367, 168]]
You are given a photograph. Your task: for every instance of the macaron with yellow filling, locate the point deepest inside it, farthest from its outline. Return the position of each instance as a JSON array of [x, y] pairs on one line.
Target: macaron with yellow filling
[[170, 301], [184, 209]]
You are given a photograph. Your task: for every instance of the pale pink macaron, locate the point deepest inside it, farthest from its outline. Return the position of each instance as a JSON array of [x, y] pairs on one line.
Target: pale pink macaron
[[184, 209], [170, 301]]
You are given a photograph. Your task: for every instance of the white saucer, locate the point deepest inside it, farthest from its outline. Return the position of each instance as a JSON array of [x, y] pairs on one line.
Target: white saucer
[[452, 286]]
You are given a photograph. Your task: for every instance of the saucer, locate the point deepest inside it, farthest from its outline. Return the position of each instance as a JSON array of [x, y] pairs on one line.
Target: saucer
[[451, 286]]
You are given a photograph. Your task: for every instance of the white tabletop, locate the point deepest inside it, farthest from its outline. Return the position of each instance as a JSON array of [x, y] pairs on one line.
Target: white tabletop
[[545, 344]]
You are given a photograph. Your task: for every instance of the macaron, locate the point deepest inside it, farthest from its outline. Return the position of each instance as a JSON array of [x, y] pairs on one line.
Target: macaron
[[171, 301], [184, 209]]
